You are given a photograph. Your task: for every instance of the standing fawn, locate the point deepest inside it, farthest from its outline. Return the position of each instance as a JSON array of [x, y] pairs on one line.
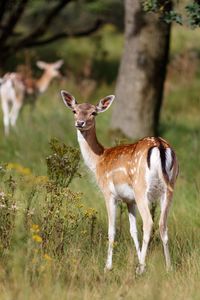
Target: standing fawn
[[15, 88], [137, 174]]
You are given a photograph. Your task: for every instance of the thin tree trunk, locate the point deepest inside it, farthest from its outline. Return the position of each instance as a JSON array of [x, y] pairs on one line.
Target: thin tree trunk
[[142, 72]]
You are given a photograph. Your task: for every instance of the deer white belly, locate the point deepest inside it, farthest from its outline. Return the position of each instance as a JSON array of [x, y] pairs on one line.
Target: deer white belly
[[122, 191]]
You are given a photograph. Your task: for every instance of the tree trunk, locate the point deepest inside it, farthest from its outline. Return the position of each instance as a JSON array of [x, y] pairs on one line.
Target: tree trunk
[[142, 72]]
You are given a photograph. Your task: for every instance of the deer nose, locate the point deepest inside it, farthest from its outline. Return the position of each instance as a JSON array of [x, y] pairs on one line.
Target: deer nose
[[80, 124]]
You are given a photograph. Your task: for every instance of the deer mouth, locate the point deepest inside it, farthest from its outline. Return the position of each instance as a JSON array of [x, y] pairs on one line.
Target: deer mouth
[[80, 125]]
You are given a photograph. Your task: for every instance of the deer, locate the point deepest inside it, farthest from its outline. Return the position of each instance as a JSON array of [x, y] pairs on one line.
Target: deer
[[15, 87], [137, 174]]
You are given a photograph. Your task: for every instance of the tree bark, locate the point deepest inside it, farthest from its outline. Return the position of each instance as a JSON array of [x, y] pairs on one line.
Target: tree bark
[[142, 72]]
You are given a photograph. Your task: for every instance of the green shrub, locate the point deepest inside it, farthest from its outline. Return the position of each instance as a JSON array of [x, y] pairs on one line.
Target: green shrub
[[63, 163]]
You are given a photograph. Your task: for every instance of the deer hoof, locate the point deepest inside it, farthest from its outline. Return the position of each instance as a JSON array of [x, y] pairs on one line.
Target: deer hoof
[[140, 269], [107, 269]]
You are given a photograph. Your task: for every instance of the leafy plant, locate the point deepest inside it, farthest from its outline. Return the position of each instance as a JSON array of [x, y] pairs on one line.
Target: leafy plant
[[63, 163], [8, 209], [169, 15], [193, 11], [61, 219], [173, 16]]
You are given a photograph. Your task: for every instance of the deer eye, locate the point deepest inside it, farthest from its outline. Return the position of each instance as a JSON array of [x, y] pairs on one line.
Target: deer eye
[[94, 113], [74, 112]]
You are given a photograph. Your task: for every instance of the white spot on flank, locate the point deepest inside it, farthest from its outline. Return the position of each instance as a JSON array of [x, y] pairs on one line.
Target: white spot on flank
[[121, 169], [138, 167]]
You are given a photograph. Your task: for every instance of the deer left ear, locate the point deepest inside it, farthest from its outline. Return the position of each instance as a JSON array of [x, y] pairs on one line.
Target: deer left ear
[[104, 103], [41, 64], [68, 99]]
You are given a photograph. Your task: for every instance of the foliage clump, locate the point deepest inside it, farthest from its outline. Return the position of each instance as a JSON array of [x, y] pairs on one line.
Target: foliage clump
[[61, 217], [63, 163], [169, 14], [52, 220], [8, 209], [193, 11]]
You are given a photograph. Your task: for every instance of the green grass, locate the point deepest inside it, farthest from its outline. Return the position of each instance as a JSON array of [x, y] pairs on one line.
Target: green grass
[[184, 38], [78, 273]]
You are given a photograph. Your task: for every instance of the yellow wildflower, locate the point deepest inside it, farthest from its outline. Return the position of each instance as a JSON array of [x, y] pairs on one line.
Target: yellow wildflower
[[18, 168], [90, 213], [35, 228], [10, 166], [80, 205], [25, 171], [39, 179], [47, 257], [37, 238]]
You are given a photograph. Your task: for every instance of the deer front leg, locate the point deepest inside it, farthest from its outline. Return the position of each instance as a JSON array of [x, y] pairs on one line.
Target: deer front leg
[[15, 112], [6, 118], [111, 210]]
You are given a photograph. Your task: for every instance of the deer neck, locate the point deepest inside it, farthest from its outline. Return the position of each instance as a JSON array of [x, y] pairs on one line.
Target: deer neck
[[43, 82], [91, 149]]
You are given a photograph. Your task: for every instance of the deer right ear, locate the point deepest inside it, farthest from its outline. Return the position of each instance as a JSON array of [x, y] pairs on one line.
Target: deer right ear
[[68, 99]]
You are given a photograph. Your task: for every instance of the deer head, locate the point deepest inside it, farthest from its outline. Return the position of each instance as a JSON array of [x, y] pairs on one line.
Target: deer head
[[52, 69], [84, 114]]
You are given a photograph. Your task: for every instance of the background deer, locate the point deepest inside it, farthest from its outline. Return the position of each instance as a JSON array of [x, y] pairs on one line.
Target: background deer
[[137, 174], [15, 87]]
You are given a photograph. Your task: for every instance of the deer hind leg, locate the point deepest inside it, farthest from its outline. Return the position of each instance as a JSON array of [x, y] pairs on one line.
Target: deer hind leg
[[165, 205], [133, 226], [142, 204], [111, 210], [15, 112], [6, 116]]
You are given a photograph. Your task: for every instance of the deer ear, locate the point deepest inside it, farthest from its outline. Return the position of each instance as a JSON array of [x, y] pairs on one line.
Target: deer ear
[[68, 99], [105, 103], [58, 64], [41, 64]]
